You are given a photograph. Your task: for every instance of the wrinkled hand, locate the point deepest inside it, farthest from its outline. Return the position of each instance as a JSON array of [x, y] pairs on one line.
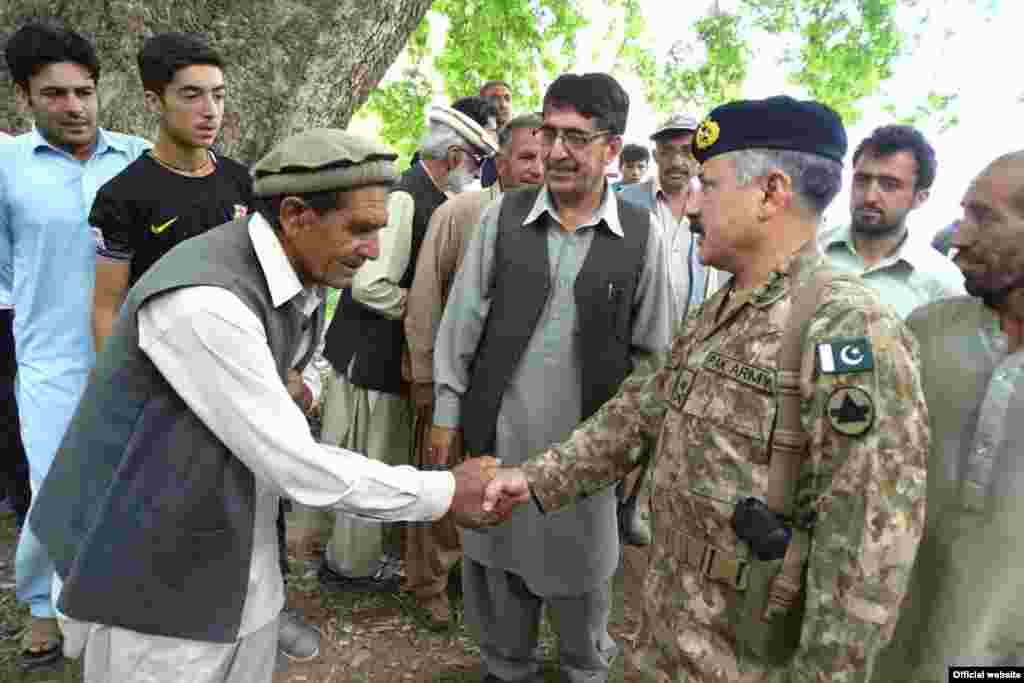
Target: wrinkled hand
[[471, 479], [422, 394], [505, 491], [445, 445], [297, 390]]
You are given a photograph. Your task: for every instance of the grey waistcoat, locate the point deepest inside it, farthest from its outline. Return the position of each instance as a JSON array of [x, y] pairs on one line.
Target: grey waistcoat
[[147, 516]]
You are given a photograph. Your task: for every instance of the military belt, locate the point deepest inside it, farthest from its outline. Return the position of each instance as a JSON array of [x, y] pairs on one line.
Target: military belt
[[716, 564]]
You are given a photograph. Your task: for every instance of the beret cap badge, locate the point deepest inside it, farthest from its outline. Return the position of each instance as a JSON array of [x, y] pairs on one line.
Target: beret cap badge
[[707, 134]]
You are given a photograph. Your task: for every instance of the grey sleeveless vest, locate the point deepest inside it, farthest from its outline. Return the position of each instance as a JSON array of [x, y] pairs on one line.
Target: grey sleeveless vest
[[145, 513]]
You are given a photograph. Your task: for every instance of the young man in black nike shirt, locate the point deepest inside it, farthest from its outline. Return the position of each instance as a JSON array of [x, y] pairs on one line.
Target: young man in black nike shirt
[[178, 189]]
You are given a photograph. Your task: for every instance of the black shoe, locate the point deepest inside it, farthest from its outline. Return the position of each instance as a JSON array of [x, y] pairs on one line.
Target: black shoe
[[381, 582]]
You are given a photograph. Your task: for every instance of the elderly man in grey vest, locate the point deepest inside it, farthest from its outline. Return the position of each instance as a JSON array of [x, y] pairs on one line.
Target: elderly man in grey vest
[[159, 511], [561, 291]]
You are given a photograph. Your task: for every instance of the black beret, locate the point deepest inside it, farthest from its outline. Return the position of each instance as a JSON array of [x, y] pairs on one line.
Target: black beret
[[775, 123]]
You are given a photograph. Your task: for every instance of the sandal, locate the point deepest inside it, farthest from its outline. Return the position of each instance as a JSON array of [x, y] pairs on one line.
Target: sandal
[[41, 644]]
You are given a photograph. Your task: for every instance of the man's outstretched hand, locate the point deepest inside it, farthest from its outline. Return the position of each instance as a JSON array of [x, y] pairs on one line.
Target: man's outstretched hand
[[471, 479], [486, 494], [506, 490]]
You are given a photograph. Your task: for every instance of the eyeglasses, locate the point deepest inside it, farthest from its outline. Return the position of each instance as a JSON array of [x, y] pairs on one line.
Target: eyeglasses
[[576, 140]]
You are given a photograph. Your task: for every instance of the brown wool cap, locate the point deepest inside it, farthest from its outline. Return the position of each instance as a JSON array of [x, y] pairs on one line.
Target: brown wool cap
[[323, 159]]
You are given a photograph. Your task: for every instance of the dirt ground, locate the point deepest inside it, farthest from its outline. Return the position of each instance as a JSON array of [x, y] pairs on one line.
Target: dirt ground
[[384, 639], [366, 638]]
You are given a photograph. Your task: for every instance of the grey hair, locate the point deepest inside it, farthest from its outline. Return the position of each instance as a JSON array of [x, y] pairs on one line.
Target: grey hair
[[816, 179], [438, 139]]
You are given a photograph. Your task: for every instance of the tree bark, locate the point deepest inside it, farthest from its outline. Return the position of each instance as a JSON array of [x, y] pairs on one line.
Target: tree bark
[[291, 65]]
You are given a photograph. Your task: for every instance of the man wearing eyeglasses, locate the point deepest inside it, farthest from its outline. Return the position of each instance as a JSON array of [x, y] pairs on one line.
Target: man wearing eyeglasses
[[562, 291], [666, 195], [366, 405]]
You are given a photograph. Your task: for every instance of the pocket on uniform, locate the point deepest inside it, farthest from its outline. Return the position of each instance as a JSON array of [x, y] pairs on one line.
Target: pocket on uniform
[[732, 423]]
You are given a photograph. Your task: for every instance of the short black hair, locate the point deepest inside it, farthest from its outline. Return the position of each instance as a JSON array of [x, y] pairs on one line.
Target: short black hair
[[888, 140], [491, 84], [166, 54], [35, 46], [633, 152], [476, 108], [593, 95]]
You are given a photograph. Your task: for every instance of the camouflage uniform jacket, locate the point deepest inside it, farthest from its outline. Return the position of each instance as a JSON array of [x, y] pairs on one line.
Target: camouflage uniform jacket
[[707, 411]]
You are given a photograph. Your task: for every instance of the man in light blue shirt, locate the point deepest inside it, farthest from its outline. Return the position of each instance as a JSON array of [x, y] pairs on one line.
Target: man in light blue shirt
[[48, 178], [893, 171]]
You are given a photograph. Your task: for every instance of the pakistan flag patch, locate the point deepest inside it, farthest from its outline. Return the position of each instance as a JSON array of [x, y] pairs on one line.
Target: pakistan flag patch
[[840, 356]]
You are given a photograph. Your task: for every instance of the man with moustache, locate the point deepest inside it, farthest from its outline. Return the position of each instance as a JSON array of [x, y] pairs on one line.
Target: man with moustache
[[665, 195], [893, 171], [431, 551], [48, 178], [160, 509], [367, 406], [789, 454], [561, 293], [965, 603], [176, 191]]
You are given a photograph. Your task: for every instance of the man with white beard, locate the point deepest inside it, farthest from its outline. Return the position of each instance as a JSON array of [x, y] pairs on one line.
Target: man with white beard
[[366, 407]]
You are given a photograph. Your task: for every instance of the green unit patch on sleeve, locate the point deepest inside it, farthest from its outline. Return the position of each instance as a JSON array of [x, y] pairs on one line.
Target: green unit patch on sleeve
[[839, 356]]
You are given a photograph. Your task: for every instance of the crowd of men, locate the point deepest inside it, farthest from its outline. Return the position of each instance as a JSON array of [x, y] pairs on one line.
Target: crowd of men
[[818, 418]]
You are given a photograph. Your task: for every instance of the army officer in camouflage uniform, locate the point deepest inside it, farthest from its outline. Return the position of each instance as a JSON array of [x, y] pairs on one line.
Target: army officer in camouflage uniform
[[717, 608]]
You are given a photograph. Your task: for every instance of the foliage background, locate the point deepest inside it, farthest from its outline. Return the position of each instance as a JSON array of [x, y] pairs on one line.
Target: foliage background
[[841, 52]]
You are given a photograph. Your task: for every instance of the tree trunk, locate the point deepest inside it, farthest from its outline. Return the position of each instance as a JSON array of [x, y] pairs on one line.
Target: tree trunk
[[290, 64]]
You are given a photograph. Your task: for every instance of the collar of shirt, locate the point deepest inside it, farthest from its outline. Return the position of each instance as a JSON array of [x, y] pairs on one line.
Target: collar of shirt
[[842, 238], [282, 281], [104, 143], [656, 187], [778, 283], [664, 210], [607, 212]]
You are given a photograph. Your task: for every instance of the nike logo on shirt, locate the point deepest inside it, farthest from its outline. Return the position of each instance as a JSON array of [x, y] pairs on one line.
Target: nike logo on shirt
[[157, 229]]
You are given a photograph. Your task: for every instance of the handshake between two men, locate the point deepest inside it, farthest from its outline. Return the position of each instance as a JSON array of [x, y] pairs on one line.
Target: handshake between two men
[[486, 493]]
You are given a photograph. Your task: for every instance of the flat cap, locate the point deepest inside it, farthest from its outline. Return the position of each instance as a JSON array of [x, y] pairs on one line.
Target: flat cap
[[471, 131], [676, 123], [775, 123], [323, 159]]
